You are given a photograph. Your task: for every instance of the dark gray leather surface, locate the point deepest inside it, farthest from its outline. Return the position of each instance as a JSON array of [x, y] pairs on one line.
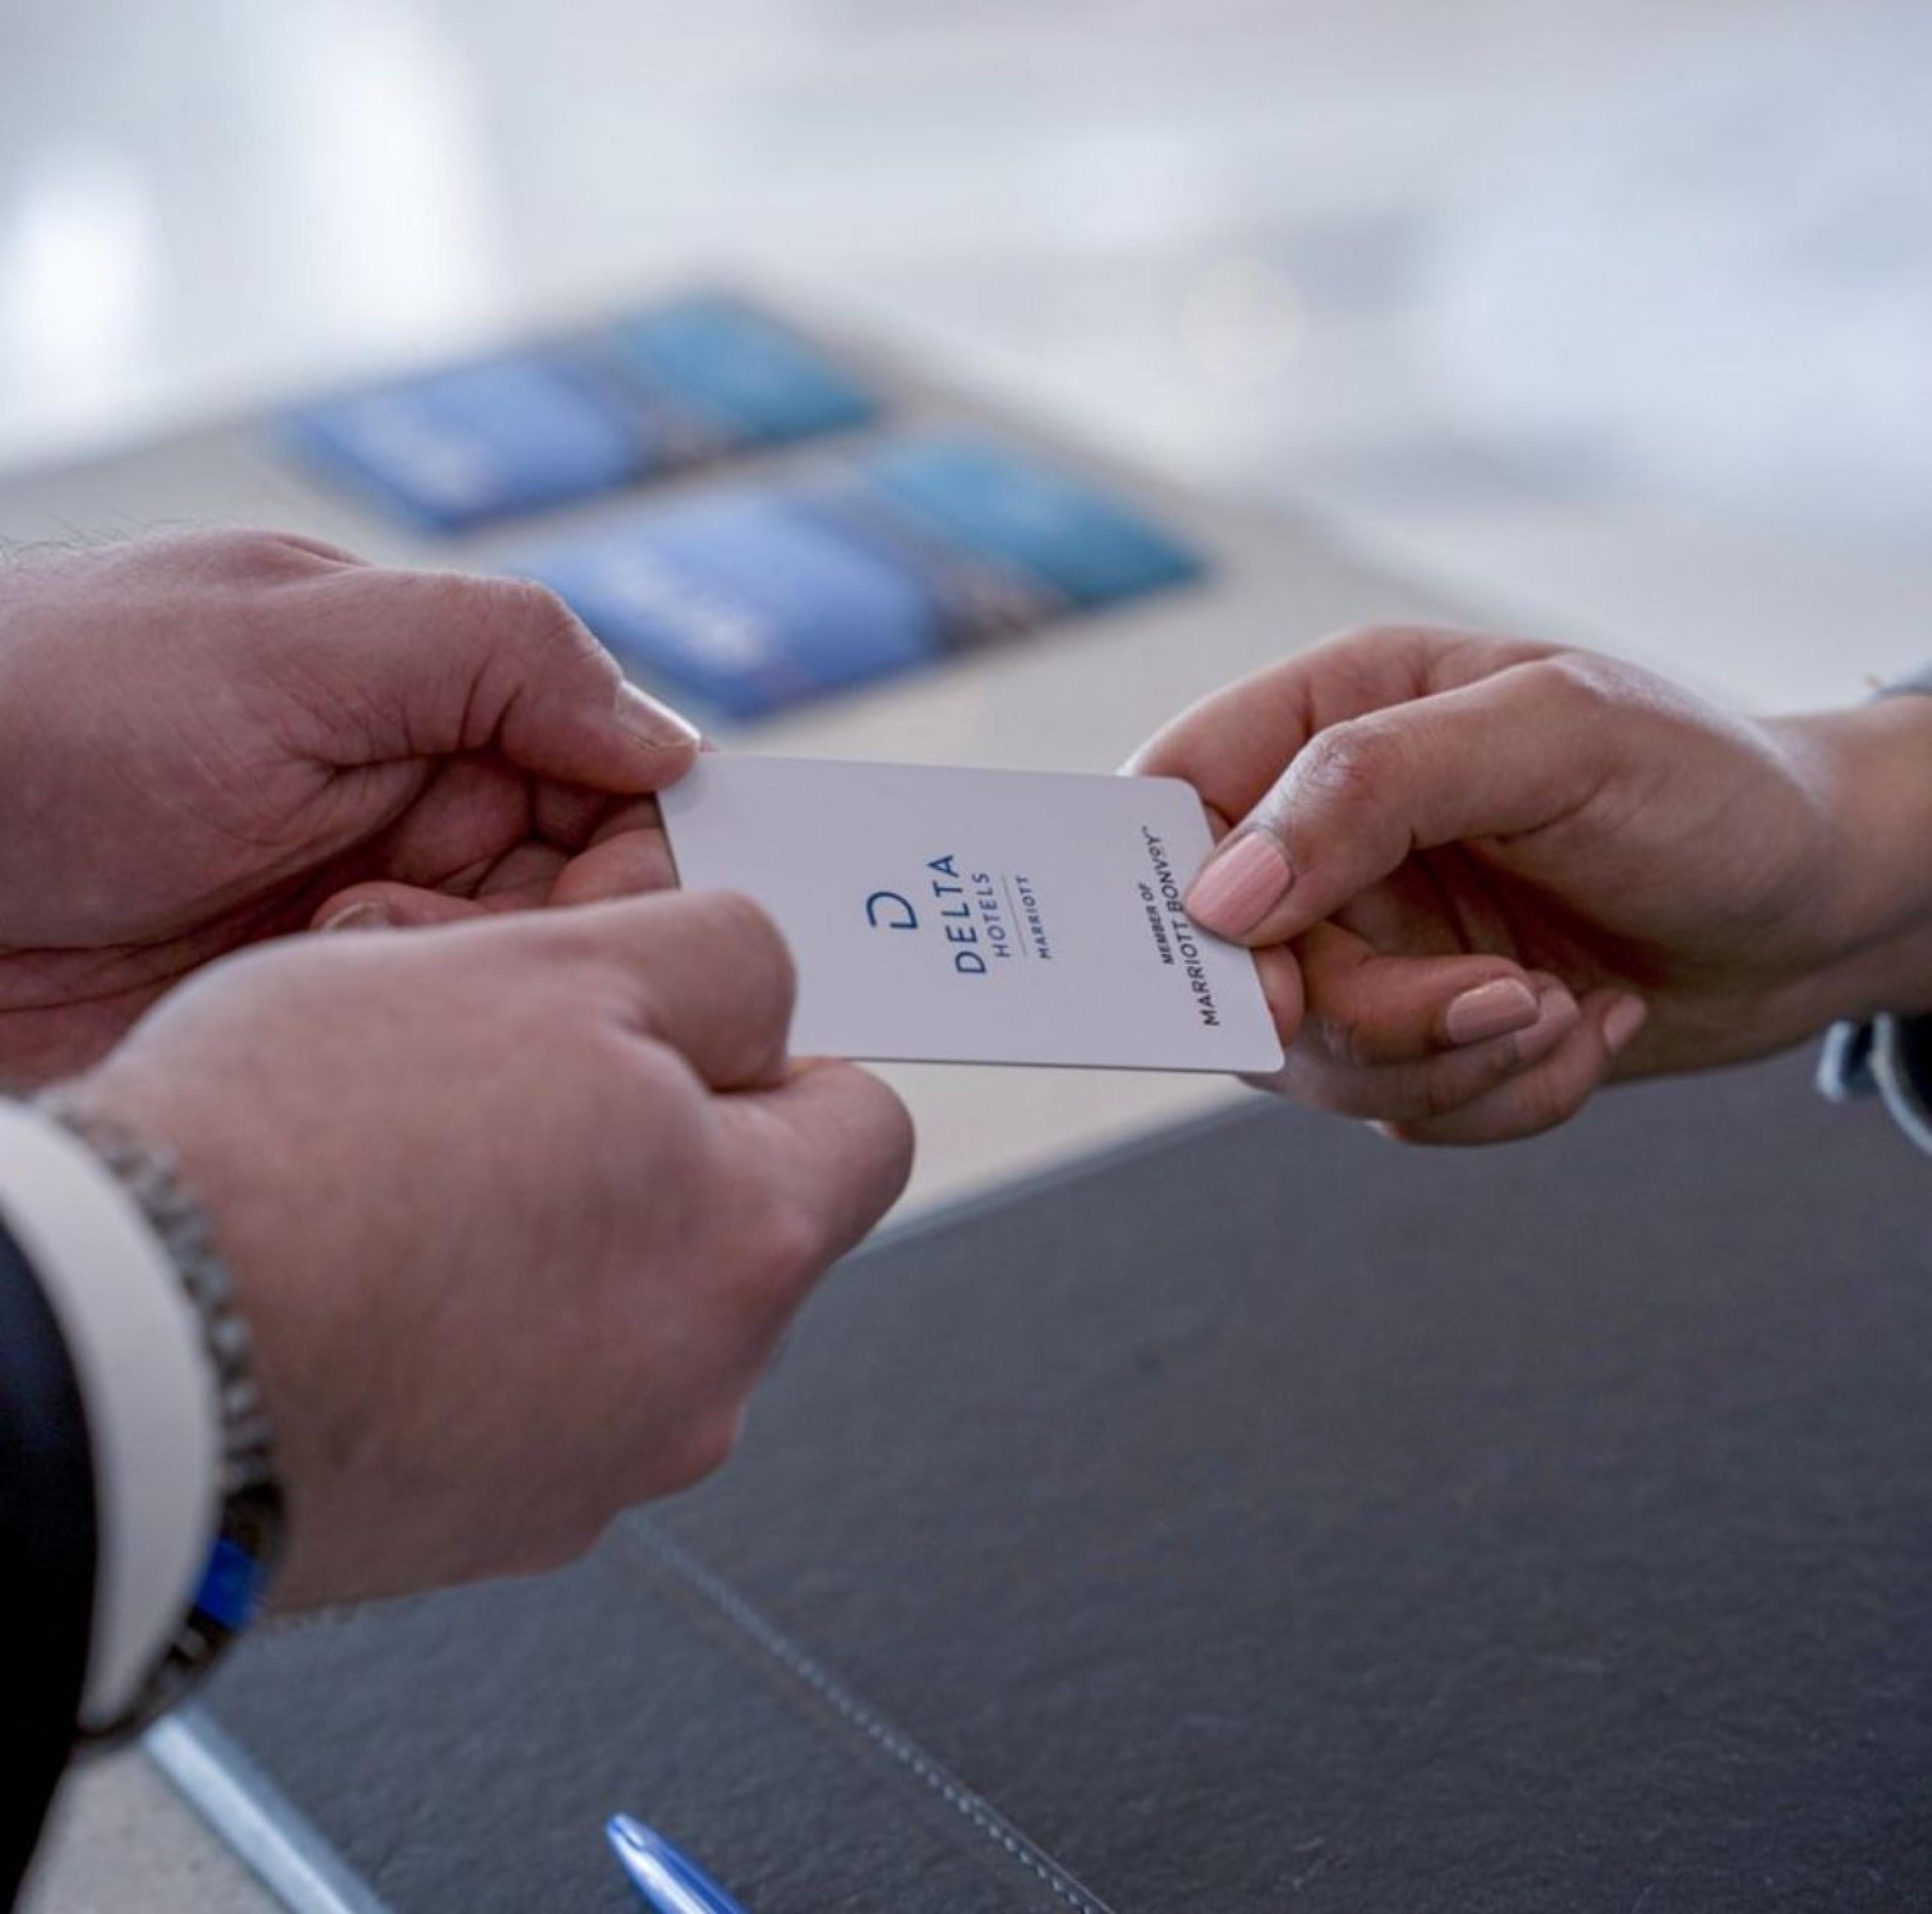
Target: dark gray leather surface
[[1267, 1518]]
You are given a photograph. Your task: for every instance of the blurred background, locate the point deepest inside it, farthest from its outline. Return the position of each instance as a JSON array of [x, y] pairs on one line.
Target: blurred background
[[1616, 317]]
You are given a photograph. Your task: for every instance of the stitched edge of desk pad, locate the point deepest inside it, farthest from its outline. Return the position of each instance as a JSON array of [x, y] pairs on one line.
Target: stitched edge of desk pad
[[895, 1746], [358, 1741]]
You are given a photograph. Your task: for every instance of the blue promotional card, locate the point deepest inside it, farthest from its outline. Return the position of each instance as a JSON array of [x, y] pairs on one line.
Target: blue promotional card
[[754, 380], [450, 449], [752, 599], [570, 418], [743, 602], [1016, 510]]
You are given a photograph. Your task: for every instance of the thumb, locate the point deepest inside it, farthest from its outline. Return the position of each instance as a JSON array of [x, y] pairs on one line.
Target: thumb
[[1505, 755]]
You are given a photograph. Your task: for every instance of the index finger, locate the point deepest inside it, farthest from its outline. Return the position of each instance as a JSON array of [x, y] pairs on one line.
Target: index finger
[[1233, 744], [1504, 756]]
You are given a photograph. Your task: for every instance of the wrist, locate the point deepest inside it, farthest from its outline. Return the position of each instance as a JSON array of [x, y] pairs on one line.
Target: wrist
[[232, 1574], [1872, 768], [147, 1390], [242, 1171]]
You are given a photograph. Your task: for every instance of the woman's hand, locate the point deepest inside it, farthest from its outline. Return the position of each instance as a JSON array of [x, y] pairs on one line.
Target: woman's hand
[[1483, 876]]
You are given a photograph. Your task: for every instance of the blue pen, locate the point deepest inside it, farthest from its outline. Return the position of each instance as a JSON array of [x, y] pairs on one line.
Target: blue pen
[[669, 1882]]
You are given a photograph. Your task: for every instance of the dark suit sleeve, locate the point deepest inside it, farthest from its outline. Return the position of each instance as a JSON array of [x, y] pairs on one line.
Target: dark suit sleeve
[[46, 1561], [1890, 1057]]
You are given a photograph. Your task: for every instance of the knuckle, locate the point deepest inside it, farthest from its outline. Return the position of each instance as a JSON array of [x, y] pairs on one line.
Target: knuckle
[[297, 551], [254, 550], [758, 951], [1442, 1090], [696, 1167], [557, 940], [286, 554], [875, 1117], [1376, 654], [536, 604], [245, 553], [1316, 1082], [532, 616], [1358, 660], [1547, 1099], [1352, 1043], [790, 1249], [773, 1240], [898, 1140], [1374, 637], [1581, 679], [1348, 764], [706, 1443], [661, 1079], [1335, 1036]]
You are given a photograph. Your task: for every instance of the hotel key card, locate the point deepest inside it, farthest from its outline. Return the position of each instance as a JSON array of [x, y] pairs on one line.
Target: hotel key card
[[949, 915]]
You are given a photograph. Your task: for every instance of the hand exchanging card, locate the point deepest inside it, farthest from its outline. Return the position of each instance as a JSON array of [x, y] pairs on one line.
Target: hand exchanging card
[[935, 913]]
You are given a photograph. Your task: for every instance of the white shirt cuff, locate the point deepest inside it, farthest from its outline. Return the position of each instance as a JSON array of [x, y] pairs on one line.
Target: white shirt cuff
[[146, 1382]]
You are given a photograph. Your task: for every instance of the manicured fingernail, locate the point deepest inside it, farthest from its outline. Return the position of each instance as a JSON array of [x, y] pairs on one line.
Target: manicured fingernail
[[1490, 1009], [1625, 1018], [1557, 1012], [1240, 886], [652, 724], [358, 917]]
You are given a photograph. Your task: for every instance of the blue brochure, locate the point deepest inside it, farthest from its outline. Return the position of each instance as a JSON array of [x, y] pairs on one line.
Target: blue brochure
[[569, 419], [743, 602], [1016, 510], [755, 380], [450, 449], [750, 599]]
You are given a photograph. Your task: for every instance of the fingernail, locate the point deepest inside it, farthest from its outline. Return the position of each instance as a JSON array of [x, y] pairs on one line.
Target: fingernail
[[652, 724], [1240, 886], [1557, 1013], [1625, 1018], [358, 917], [1490, 1009]]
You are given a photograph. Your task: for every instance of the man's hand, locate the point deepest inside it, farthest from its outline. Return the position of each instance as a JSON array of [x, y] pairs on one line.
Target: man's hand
[[1483, 876], [203, 740], [517, 1212]]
